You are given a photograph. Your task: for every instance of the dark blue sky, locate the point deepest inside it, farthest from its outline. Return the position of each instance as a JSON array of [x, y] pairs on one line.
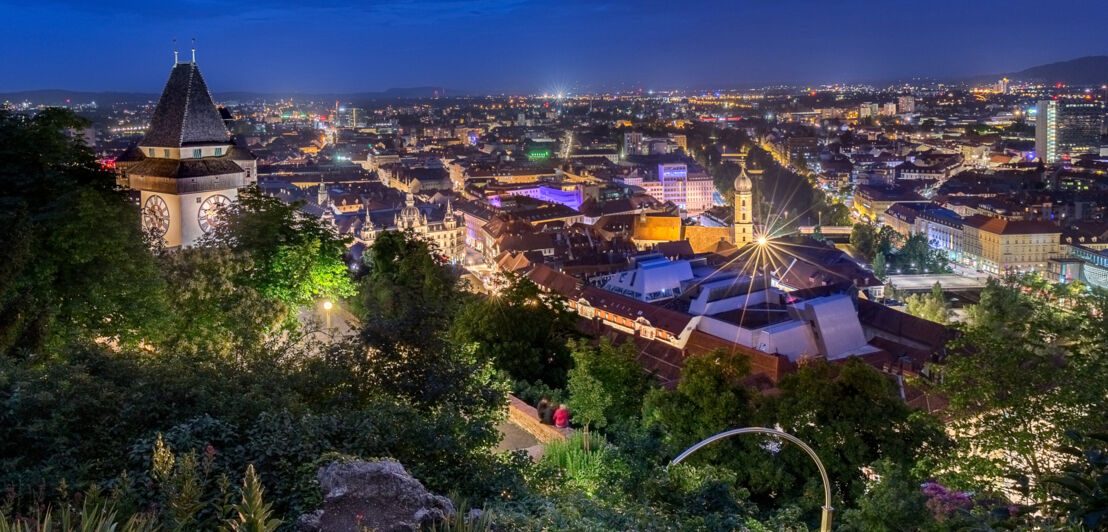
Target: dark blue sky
[[516, 45]]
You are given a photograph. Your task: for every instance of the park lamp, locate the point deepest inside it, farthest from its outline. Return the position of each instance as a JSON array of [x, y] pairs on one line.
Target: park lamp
[[825, 520], [327, 305]]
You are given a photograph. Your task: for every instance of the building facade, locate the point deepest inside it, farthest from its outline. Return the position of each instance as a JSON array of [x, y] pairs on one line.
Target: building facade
[[1066, 128], [189, 168]]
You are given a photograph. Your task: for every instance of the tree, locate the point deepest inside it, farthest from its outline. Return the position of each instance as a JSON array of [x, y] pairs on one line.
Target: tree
[[522, 330], [852, 416], [1081, 487], [880, 270], [407, 301], [296, 259], [587, 400], [864, 239], [406, 295], [710, 397], [932, 306], [916, 256], [1022, 369], [618, 371], [893, 502], [213, 314], [77, 265]]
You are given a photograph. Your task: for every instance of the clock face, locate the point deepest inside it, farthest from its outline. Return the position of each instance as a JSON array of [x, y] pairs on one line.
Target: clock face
[[155, 216], [210, 210]]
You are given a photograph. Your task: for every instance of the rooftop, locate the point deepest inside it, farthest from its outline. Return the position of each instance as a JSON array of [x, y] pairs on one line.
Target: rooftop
[[185, 114]]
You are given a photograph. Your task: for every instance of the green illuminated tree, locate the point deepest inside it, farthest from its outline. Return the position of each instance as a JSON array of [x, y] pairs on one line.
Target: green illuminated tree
[[932, 306], [296, 259]]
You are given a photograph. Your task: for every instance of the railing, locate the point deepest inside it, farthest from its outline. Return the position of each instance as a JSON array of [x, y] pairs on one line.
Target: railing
[[825, 522]]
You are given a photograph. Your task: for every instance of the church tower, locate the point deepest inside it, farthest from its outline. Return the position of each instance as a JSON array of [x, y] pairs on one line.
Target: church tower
[[744, 208], [187, 174]]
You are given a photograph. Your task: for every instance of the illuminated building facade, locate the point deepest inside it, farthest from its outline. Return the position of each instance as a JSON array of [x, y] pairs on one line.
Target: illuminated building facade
[[189, 168], [1066, 128], [744, 209]]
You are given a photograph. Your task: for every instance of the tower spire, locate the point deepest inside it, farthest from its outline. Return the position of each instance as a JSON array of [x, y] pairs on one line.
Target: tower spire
[[194, 50], [174, 51]]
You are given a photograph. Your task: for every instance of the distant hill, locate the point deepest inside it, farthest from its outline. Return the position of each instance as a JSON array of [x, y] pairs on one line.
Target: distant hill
[[59, 96], [1091, 70]]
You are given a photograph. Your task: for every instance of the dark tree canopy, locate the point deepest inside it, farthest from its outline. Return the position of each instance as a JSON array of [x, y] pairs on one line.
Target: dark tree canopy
[[76, 260]]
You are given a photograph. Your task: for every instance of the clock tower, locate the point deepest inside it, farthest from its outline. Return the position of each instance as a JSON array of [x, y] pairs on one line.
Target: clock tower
[[188, 172], [744, 208]]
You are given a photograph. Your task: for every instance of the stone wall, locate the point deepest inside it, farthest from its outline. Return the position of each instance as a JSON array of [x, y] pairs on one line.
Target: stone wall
[[527, 417]]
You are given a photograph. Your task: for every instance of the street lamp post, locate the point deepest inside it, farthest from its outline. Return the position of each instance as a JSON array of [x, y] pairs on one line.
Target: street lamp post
[[825, 522], [327, 312]]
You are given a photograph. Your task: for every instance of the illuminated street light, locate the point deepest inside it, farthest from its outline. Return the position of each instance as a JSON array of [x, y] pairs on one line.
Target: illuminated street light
[[825, 521], [762, 241], [327, 312]]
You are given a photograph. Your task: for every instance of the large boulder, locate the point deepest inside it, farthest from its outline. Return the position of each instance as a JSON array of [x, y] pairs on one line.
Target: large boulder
[[378, 496]]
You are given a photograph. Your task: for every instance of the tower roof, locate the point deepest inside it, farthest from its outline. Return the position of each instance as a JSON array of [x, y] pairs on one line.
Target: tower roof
[[185, 114], [742, 182]]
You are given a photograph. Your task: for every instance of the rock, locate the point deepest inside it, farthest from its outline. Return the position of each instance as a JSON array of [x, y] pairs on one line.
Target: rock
[[379, 496]]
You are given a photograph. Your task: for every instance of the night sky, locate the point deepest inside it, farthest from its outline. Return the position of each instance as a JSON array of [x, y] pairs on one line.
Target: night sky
[[524, 45]]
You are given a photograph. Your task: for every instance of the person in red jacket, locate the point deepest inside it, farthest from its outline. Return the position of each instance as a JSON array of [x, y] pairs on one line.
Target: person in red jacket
[[561, 416]]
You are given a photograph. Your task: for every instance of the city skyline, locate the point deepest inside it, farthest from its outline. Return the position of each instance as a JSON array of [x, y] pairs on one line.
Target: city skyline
[[525, 46]]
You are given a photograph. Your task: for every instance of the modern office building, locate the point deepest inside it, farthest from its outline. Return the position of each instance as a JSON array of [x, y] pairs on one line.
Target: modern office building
[[1067, 127]]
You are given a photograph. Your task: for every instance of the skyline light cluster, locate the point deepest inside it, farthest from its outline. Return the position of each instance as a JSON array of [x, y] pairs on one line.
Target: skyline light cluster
[[526, 45]]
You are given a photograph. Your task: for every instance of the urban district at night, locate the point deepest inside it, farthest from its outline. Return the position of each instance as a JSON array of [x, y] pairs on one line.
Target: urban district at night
[[509, 265]]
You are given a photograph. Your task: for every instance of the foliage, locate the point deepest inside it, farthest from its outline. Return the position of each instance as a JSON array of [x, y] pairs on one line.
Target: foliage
[[61, 280], [532, 393], [252, 513], [587, 400], [617, 371], [880, 267], [914, 255], [1025, 367], [214, 313], [932, 306], [588, 470], [295, 258], [709, 398], [406, 296], [852, 416], [1081, 487], [520, 329]]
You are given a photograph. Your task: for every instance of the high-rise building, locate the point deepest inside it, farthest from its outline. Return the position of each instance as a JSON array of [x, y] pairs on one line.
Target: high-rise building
[[1067, 127], [1001, 86], [906, 104], [190, 169]]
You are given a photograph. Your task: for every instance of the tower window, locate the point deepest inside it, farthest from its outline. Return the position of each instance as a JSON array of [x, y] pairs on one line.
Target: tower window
[[196, 153], [151, 152], [218, 152], [166, 153]]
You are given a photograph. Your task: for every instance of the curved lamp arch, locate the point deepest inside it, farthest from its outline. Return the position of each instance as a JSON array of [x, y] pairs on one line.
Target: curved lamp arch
[[825, 522]]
